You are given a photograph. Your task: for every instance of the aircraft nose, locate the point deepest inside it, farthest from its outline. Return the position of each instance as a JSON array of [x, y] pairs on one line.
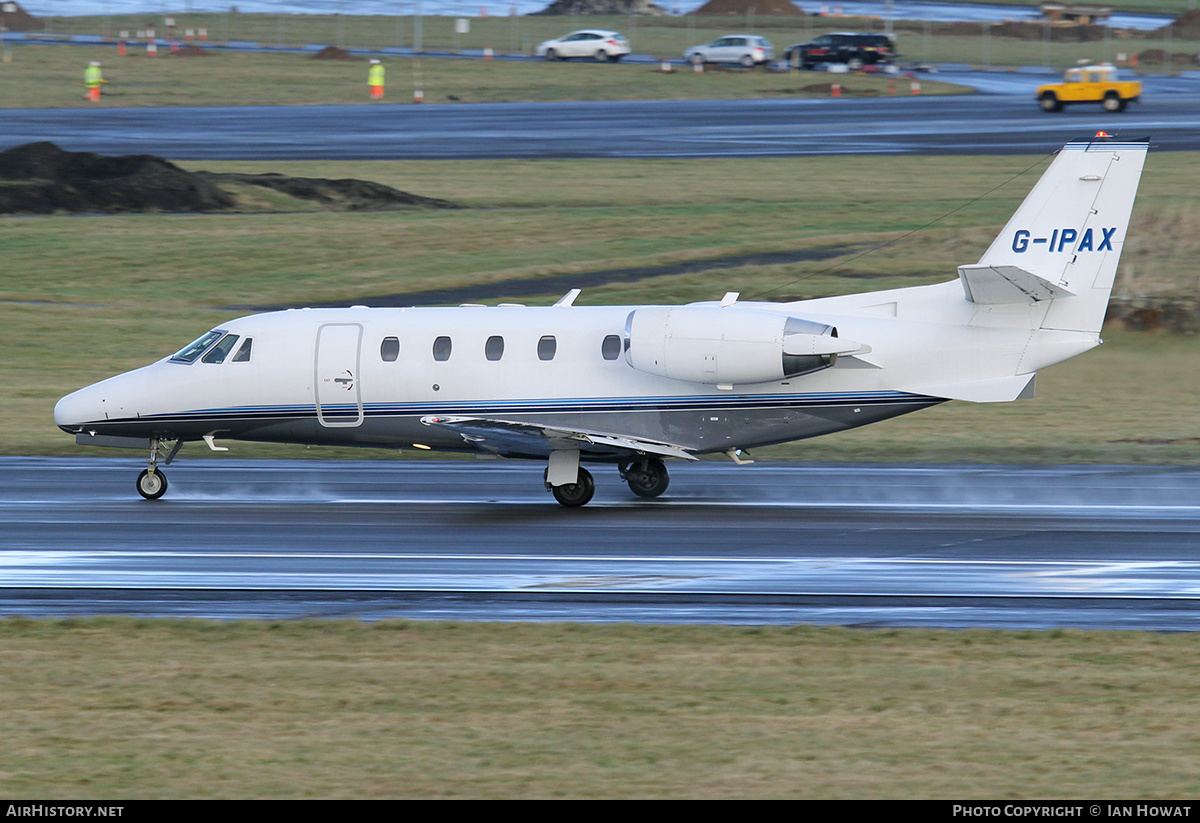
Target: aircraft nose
[[79, 408], [120, 397]]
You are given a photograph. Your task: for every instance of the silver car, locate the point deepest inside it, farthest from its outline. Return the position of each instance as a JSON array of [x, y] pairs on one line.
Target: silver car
[[743, 49], [596, 43]]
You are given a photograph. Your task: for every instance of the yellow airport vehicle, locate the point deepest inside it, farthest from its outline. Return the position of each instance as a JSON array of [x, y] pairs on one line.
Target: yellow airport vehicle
[[1090, 84]]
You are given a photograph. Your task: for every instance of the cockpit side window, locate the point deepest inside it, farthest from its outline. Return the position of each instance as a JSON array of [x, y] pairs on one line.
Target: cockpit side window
[[243, 353], [197, 347], [219, 352]]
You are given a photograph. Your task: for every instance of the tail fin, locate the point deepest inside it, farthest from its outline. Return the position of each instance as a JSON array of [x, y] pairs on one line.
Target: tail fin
[[1064, 242]]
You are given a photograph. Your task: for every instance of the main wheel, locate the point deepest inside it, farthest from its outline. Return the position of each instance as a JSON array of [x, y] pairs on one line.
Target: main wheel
[[601, 56], [1050, 102], [551, 54], [648, 478], [854, 63], [1112, 102], [747, 61], [577, 493], [152, 485]]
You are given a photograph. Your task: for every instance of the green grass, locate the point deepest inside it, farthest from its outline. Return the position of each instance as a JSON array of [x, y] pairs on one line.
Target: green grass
[[121, 708], [660, 37], [87, 297], [52, 76]]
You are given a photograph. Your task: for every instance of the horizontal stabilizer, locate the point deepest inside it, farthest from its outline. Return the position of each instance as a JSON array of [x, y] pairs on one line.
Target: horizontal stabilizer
[[1007, 284], [508, 437], [997, 390]]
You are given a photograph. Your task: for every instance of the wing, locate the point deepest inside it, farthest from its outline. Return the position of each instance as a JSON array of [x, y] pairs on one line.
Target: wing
[[512, 439]]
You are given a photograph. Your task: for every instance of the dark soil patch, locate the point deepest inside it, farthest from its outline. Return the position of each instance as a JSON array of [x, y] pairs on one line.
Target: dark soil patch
[[561, 283], [762, 8], [192, 51], [1184, 27], [345, 194], [1158, 57], [18, 19], [41, 178], [644, 7], [333, 53]]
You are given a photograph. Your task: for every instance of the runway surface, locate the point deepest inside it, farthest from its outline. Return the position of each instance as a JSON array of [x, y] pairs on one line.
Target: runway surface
[[1029, 547], [978, 124]]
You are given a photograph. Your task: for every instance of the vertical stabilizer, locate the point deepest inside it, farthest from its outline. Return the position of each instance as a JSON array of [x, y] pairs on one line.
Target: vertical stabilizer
[[1064, 242]]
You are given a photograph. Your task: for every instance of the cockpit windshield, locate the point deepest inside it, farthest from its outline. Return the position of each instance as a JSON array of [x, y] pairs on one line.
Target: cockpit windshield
[[191, 351]]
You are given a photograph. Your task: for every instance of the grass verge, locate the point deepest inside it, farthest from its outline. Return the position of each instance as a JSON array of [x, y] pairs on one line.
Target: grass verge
[[124, 708]]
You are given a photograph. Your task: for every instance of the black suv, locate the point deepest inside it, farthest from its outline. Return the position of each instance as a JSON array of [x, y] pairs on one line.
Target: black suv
[[853, 49]]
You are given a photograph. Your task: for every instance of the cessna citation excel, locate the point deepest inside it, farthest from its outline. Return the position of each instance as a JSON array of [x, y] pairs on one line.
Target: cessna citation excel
[[634, 385]]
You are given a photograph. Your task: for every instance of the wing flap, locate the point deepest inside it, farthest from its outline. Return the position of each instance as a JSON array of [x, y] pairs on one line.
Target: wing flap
[[509, 437]]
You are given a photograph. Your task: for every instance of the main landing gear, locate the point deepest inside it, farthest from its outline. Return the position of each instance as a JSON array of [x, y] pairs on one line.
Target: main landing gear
[[152, 483], [646, 478]]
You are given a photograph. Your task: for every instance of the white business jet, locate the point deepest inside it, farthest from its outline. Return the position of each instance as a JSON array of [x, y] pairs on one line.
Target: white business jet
[[636, 385]]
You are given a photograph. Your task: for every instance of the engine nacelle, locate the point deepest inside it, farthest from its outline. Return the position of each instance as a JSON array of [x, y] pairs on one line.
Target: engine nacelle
[[703, 344]]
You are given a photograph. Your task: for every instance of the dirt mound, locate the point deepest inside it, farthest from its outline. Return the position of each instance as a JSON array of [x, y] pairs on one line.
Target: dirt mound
[[1184, 27], [192, 50], [345, 194], [762, 8], [603, 7], [41, 178], [333, 53], [1158, 57], [17, 19]]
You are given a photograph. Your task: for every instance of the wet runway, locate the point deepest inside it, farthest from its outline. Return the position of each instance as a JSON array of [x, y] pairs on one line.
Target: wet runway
[[1096, 547], [981, 124]]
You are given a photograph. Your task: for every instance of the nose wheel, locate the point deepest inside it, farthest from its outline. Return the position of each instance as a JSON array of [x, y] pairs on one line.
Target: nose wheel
[[152, 484]]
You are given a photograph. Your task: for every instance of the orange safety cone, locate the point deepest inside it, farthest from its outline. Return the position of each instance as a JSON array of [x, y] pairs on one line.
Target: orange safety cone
[[418, 96], [174, 46], [152, 49], [121, 50], [698, 67], [666, 66], [487, 53], [916, 86], [835, 89], [1133, 60], [891, 85], [203, 34]]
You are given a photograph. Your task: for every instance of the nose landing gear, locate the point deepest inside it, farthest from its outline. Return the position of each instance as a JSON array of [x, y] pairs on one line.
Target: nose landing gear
[[152, 483]]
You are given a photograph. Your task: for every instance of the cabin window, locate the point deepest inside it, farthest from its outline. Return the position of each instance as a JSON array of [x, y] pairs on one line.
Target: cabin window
[[441, 348], [610, 349], [219, 352], [389, 349], [546, 347], [494, 348], [243, 353], [191, 351]]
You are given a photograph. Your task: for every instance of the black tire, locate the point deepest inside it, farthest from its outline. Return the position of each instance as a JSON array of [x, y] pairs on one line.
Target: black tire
[[152, 485], [1050, 102], [551, 54], [648, 478], [601, 56], [747, 61], [854, 63], [578, 493], [1113, 102]]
